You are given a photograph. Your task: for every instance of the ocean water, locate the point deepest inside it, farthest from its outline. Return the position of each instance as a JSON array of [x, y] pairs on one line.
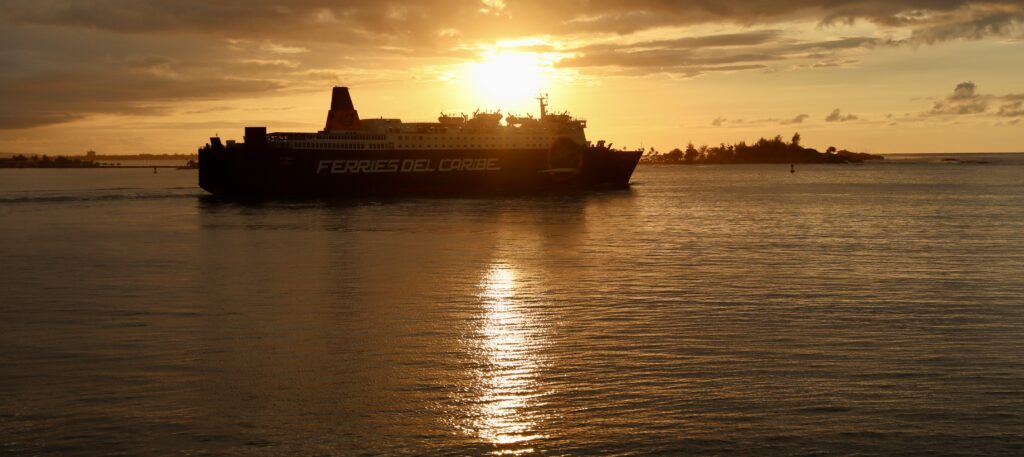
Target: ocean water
[[872, 309]]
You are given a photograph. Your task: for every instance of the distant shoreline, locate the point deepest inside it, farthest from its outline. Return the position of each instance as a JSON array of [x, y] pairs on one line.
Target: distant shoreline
[[93, 161]]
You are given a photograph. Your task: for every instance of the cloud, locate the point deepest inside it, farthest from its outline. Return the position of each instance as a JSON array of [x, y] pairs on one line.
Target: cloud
[[1012, 109], [834, 63], [964, 91], [967, 100], [723, 52], [283, 49], [799, 119], [963, 100], [837, 116], [972, 20]]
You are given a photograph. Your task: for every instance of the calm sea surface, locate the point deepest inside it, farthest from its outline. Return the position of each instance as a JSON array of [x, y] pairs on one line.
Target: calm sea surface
[[724, 310]]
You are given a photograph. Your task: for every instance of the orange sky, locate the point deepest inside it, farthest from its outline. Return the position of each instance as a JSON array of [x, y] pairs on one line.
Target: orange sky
[[160, 77]]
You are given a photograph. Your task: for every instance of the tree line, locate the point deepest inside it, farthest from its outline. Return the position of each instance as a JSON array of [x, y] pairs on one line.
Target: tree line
[[45, 161]]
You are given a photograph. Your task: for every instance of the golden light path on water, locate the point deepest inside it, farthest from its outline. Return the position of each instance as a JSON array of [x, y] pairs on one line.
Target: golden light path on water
[[509, 340]]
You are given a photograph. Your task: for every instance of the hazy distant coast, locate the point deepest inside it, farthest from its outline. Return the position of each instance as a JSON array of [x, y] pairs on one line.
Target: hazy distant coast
[[764, 150], [90, 160]]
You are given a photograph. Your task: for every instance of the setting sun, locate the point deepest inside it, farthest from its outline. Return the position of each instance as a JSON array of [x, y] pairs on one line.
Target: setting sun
[[509, 81]]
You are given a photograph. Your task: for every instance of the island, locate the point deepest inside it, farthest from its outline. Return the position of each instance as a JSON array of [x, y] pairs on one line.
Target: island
[[774, 150]]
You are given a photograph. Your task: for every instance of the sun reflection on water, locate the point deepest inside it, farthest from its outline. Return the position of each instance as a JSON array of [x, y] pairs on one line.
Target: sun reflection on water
[[509, 340]]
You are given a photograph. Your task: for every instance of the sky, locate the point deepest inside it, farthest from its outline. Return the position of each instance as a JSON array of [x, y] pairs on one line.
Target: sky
[[880, 76]]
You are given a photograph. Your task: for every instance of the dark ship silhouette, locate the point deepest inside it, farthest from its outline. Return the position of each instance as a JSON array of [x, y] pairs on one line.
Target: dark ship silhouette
[[457, 154]]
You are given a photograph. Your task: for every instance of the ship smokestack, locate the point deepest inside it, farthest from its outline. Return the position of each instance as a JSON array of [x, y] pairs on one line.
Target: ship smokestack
[[343, 115]]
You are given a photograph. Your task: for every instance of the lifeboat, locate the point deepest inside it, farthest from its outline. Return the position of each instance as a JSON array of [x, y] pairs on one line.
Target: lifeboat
[[448, 119], [487, 118]]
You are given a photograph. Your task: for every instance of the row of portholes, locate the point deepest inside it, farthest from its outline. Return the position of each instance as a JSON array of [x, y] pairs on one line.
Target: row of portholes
[[318, 145], [461, 138], [352, 137], [464, 146]]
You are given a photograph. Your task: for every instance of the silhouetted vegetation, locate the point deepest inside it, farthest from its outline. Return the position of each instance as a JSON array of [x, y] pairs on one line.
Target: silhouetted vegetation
[[774, 150], [45, 161]]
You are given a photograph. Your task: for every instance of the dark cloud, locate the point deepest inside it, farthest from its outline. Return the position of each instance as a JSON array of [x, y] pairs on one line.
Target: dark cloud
[[964, 91], [418, 22], [63, 76], [967, 100], [60, 75], [837, 116], [973, 21], [56, 97]]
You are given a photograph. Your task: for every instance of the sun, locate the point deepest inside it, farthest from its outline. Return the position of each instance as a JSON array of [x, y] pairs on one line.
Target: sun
[[508, 80]]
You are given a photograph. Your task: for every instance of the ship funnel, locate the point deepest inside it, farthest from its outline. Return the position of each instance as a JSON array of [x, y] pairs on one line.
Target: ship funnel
[[343, 115]]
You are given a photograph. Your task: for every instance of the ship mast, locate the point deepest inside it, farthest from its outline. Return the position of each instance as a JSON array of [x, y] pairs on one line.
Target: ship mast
[[543, 98]]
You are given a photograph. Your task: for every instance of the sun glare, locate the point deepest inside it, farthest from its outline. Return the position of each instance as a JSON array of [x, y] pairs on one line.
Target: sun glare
[[508, 81]]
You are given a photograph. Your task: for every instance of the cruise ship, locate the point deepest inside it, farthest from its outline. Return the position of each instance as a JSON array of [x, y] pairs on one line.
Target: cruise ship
[[457, 154]]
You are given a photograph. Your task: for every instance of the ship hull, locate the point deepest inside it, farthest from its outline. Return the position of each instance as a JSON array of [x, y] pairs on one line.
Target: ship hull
[[263, 171]]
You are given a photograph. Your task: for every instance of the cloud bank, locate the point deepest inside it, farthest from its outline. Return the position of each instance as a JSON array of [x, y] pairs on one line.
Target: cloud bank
[[67, 59]]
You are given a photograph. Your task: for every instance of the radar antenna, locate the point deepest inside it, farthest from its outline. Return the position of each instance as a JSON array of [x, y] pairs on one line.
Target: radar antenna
[[543, 98]]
